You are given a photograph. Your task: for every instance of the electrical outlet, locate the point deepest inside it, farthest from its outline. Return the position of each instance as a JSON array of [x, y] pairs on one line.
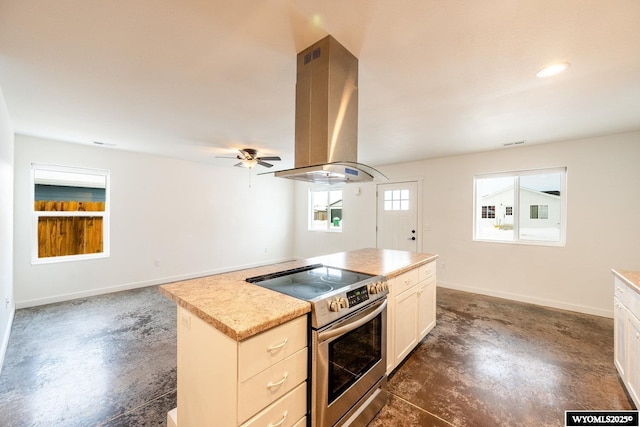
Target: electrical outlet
[[186, 322], [157, 263], [6, 302]]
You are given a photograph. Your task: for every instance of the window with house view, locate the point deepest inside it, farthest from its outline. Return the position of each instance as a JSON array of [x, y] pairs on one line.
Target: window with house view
[[325, 210], [521, 207], [70, 213]]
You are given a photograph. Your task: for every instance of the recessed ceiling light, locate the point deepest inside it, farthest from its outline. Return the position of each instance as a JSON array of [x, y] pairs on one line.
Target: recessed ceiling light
[[553, 69]]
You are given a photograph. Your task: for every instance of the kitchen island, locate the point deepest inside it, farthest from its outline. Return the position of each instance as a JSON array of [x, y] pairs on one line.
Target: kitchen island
[[626, 335], [223, 320]]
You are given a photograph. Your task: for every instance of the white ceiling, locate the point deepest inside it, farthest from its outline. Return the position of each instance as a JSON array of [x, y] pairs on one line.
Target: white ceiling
[[198, 78]]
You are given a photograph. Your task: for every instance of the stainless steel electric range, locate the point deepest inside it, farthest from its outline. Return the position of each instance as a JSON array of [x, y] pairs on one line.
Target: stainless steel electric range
[[348, 339]]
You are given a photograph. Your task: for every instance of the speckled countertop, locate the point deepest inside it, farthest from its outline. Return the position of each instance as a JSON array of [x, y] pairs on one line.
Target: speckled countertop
[[630, 278], [240, 310]]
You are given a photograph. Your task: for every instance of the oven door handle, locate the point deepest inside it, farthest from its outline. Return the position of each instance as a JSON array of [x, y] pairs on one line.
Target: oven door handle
[[327, 335]]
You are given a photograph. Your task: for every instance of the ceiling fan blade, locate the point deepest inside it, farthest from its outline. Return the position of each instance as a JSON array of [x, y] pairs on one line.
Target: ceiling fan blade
[[265, 164], [248, 153], [269, 158], [226, 157], [240, 165]]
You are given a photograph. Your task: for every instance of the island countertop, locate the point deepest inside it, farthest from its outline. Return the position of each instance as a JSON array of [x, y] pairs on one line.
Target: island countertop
[[240, 309]]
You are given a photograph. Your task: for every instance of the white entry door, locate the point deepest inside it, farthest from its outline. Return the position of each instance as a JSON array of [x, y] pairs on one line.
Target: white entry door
[[397, 218]]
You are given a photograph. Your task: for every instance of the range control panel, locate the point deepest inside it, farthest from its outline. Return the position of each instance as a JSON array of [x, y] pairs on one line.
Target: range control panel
[[357, 296]]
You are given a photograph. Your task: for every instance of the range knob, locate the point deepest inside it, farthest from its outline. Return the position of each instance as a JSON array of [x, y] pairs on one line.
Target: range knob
[[374, 288], [338, 303]]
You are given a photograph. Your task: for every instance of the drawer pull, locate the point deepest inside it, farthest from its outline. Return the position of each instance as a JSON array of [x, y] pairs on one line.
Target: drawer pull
[[278, 383], [278, 346], [407, 282], [637, 335], [284, 417]]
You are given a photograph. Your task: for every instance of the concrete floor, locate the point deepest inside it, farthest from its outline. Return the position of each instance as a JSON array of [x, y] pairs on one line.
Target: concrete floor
[[111, 361], [495, 362], [108, 360]]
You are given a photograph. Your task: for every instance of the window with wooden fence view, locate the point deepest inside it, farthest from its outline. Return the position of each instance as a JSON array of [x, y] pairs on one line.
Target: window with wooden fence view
[[70, 212]]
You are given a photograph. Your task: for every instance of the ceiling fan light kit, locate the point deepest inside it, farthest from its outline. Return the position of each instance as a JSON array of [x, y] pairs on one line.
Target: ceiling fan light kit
[[249, 158]]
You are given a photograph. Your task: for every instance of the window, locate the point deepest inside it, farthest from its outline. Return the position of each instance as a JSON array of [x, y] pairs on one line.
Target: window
[[521, 207], [325, 210], [538, 211], [70, 213], [396, 200], [488, 212]]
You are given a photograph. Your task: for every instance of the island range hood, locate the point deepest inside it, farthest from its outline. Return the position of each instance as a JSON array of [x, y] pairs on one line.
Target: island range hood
[[326, 127]]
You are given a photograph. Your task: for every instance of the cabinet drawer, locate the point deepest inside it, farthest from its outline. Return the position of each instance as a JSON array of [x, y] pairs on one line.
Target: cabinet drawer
[[263, 350], [405, 281], [633, 301], [292, 408], [426, 271], [620, 291], [272, 383]]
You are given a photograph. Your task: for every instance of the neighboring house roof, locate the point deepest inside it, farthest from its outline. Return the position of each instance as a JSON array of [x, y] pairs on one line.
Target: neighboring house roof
[[552, 194]]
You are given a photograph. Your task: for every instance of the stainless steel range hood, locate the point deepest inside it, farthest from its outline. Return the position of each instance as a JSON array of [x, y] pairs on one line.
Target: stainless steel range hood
[[326, 129]]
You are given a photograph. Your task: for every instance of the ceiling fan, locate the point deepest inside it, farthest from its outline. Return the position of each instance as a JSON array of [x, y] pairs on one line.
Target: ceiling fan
[[249, 158]]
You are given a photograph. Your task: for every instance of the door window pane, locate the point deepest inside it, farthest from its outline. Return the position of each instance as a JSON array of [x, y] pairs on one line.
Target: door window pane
[[396, 200]]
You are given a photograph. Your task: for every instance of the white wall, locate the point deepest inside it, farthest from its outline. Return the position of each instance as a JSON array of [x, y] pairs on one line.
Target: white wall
[[603, 230], [358, 222], [6, 228], [195, 218]]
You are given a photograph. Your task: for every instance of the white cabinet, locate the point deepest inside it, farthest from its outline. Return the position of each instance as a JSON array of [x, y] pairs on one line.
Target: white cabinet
[[633, 359], [626, 338], [406, 333], [427, 307], [412, 298], [257, 382], [619, 337]]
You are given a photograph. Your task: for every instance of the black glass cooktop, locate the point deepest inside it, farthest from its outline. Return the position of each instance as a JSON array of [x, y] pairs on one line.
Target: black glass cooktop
[[309, 282]]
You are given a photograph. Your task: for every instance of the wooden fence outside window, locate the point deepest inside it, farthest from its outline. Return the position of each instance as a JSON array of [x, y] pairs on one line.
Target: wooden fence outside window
[[74, 233]]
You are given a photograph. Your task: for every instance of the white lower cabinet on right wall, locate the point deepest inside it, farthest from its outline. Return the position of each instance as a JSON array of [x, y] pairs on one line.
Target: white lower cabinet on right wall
[[412, 296], [626, 339]]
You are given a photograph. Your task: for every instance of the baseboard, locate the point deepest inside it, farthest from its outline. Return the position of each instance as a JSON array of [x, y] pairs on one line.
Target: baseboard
[[531, 300], [134, 285], [5, 337]]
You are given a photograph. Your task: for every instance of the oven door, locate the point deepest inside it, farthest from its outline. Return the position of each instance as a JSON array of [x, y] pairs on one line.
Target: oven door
[[349, 358]]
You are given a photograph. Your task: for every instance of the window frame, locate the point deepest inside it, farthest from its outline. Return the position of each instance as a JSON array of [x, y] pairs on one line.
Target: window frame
[[391, 203], [516, 208], [310, 212], [36, 215]]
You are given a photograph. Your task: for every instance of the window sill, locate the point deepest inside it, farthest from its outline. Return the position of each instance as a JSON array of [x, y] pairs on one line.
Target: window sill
[[67, 258]]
